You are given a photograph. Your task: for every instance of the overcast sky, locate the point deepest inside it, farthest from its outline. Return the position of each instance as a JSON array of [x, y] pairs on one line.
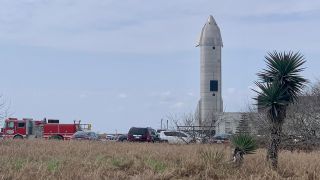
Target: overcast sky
[[118, 64]]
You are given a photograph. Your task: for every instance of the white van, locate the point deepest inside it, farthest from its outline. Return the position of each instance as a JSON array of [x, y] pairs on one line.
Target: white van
[[175, 137]]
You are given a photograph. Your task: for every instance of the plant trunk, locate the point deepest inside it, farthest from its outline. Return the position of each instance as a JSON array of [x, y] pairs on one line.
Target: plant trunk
[[238, 157], [273, 149]]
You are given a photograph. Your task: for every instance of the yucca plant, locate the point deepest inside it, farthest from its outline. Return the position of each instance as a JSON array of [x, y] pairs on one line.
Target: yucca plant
[[280, 84], [243, 144]]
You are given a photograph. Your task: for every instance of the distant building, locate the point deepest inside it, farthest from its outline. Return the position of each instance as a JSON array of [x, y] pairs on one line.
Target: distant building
[[228, 122]]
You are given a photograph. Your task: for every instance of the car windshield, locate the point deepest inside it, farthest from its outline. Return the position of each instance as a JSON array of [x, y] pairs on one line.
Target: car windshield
[[4, 124], [180, 134], [80, 134], [138, 131], [174, 133]]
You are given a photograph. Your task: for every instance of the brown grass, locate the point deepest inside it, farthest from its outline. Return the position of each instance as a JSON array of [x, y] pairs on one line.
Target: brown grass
[[40, 159]]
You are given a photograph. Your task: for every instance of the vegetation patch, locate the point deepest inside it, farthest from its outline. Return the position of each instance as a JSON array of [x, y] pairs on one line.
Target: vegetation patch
[[53, 165], [122, 163], [156, 165], [65, 160], [211, 156], [101, 159], [18, 164]]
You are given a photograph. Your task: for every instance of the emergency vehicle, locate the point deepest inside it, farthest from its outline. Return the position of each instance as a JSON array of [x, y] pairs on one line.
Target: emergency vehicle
[[51, 129]]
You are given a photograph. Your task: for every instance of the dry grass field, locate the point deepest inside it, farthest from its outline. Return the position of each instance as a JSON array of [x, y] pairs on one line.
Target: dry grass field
[[40, 159]]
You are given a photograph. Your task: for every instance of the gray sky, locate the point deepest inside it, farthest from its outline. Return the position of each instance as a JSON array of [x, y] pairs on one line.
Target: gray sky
[[118, 64]]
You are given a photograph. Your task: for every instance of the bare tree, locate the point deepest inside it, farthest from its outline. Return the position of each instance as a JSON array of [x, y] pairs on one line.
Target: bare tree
[[211, 119], [257, 121], [189, 123], [302, 125], [4, 109], [304, 117]]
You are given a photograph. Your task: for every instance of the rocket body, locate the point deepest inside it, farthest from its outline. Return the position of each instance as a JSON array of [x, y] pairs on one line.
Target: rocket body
[[210, 44]]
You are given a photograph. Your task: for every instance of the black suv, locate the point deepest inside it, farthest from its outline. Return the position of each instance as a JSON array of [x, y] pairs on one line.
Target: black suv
[[139, 134]]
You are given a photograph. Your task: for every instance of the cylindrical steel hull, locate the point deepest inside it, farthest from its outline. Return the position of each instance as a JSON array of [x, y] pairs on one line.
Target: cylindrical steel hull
[[210, 44], [210, 68]]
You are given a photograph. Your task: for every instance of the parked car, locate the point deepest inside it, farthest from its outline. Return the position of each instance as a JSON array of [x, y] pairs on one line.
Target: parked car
[[110, 137], [159, 130], [141, 134], [85, 135], [221, 138], [175, 137], [122, 138]]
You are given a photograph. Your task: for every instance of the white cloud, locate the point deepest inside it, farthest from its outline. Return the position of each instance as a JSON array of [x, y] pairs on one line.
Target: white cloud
[[231, 90], [128, 26], [166, 94], [83, 95], [122, 95], [178, 105], [164, 97], [190, 94]]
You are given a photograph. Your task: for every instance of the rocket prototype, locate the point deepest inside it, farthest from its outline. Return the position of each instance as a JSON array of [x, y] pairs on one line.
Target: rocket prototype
[[210, 44]]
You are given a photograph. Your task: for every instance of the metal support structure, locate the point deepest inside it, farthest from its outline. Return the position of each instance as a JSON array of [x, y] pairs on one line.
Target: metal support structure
[[201, 132]]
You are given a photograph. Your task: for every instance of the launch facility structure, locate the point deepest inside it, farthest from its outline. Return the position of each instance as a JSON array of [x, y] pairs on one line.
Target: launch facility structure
[[210, 43], [210, 107]]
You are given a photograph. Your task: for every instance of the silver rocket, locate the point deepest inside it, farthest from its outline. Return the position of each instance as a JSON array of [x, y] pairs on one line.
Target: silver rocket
[[210, 44]]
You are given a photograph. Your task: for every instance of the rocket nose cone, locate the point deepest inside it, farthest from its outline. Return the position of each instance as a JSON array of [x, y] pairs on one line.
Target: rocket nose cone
[[210, 34], [211, 20]]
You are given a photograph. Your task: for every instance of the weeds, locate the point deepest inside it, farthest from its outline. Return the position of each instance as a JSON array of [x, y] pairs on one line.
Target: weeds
[[211, 156], [122, 163], [41, 159], [156, 165], [18, 164], [53, 165]]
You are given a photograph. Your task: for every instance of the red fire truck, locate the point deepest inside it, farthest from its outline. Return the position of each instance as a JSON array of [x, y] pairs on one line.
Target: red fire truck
[[51, 129]]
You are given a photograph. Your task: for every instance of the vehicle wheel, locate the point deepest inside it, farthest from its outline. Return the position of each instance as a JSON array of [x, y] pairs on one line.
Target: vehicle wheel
[[17, 137], [124, 140], [56, 137]]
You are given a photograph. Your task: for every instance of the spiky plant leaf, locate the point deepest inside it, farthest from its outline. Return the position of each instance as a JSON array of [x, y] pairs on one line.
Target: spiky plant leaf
[[245, 143], [284, 68], [273, 97]]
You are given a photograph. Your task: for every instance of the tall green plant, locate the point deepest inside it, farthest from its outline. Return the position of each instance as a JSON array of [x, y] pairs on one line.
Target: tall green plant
[[280, 84], [243, 144]]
